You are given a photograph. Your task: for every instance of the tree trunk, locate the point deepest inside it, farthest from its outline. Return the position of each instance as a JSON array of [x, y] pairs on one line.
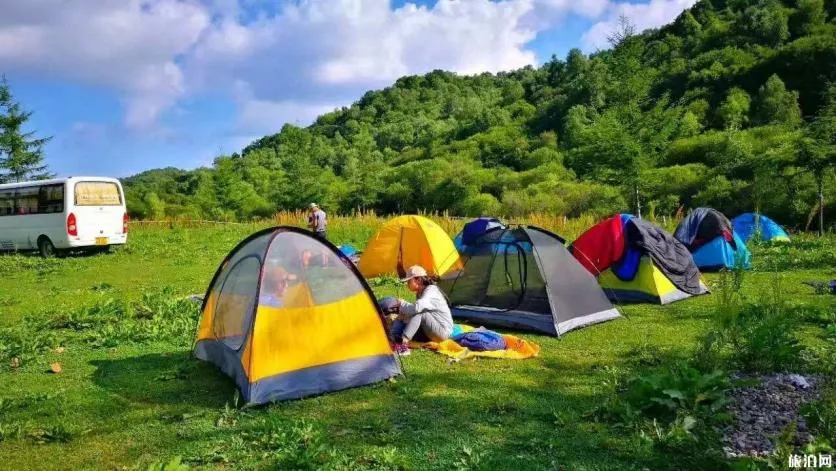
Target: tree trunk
[[638, 203], [821, 205]]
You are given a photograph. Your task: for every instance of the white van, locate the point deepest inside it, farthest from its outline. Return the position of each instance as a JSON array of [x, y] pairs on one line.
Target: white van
[[66, 213]]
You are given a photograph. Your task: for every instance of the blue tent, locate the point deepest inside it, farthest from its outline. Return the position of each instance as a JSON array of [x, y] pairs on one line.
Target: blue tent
[[712, 240], [719, 254], [747, 225], [350, 252], [473, 230], [347, 250]]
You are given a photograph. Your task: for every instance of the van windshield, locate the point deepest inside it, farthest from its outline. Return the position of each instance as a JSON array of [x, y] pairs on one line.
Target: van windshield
[[97, 194]]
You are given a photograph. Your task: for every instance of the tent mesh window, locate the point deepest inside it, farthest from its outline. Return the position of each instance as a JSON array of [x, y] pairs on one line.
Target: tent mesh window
[[501, 273], [236, 302], [233, 314], [317, 275]]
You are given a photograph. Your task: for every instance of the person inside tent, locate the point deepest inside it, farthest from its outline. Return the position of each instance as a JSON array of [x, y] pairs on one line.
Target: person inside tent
[[276, 283], [311, 261], [427, 319]]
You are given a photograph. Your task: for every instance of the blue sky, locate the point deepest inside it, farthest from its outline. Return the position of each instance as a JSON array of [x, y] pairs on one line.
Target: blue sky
[[157, 83]]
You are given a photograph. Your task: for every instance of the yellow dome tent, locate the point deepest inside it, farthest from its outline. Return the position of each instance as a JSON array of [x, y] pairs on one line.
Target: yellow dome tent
[[409, 240], [288, 316]]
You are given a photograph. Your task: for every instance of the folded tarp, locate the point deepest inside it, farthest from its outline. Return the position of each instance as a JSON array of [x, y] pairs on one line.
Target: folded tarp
[[668, 254]]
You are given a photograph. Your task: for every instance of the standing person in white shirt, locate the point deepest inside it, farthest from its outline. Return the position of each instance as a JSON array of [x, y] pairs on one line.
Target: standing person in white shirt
[[317, 221]]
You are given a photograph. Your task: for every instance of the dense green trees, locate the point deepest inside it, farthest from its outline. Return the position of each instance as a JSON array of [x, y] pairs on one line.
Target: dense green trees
[[729, 106]]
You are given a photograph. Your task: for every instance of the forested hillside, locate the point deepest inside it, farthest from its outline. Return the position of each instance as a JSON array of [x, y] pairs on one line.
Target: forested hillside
[[732, 106]]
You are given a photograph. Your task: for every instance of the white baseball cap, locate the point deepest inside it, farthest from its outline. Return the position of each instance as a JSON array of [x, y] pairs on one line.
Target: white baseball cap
[[313, 205], [414, 272]]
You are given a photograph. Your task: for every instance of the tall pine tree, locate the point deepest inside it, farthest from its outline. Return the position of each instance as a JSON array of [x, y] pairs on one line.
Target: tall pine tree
[[21, 154]]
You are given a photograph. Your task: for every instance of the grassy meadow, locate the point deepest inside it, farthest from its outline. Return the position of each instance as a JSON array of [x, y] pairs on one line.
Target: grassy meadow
[[130, 396]]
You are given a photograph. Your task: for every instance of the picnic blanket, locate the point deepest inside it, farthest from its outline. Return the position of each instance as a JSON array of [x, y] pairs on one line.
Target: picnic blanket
[[516, 348]]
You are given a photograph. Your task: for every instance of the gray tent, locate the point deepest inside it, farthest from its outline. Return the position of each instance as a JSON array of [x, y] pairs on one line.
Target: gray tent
[[525, 278]]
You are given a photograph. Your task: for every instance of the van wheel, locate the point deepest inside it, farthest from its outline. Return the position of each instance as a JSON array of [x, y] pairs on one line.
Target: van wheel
[[46, 247]]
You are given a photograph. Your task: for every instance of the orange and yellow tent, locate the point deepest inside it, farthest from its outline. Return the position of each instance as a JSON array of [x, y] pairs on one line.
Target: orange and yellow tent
[[406, 241]]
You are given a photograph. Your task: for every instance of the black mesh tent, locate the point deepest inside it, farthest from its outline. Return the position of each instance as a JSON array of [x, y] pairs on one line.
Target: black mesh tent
[[524, 278]]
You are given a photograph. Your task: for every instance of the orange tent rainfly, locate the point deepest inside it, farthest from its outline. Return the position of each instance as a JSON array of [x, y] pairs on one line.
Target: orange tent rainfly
[[287, 315], [406, 241]]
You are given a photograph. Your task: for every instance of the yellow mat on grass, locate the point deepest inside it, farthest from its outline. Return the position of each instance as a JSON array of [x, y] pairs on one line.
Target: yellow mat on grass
[[517, 348]]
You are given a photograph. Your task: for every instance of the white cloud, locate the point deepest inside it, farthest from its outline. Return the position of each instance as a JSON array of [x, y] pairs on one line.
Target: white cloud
[[128, 45], [282, 61], [262, 116], [333, 49], [318, 54], [588, 8], [642, 15]]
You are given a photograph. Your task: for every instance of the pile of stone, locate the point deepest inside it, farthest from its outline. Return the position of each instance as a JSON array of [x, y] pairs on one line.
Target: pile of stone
[[761, 413]]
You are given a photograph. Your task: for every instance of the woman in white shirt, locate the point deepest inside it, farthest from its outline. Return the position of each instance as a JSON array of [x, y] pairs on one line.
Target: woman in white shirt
[[428, 315]]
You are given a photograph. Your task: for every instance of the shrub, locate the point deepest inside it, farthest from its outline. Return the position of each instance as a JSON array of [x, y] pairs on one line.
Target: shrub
[[681, 389], [158, 316], [10, 431], [666, 396], [803, 253], [24, 344], [296, 446], [821, 417], [757, 336], [673, 410], [761, 337]]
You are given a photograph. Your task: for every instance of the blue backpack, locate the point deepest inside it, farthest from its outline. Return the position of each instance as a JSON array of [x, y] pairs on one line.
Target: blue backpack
[[481, 340]]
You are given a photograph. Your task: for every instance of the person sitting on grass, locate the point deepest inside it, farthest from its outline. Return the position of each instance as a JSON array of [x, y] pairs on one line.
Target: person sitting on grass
[[428, 319]]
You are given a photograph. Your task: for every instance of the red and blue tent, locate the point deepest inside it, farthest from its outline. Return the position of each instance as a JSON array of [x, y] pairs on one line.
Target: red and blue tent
[[636, 261]]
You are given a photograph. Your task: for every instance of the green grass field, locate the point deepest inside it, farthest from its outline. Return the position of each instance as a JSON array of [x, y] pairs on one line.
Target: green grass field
[[127, 398]]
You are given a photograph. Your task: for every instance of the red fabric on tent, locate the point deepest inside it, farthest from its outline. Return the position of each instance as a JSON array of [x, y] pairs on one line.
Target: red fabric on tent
[[725, 234], [600, 246]]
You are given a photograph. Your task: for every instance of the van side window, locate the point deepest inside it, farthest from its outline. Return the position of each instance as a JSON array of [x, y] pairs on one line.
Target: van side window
[[7, 202], [51, 199], [27, 200]]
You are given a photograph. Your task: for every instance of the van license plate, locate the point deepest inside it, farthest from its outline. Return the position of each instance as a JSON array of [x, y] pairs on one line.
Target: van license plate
[[101, 241]]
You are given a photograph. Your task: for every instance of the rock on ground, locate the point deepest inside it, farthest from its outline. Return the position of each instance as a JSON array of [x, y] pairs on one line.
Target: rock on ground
[[762, 412]]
